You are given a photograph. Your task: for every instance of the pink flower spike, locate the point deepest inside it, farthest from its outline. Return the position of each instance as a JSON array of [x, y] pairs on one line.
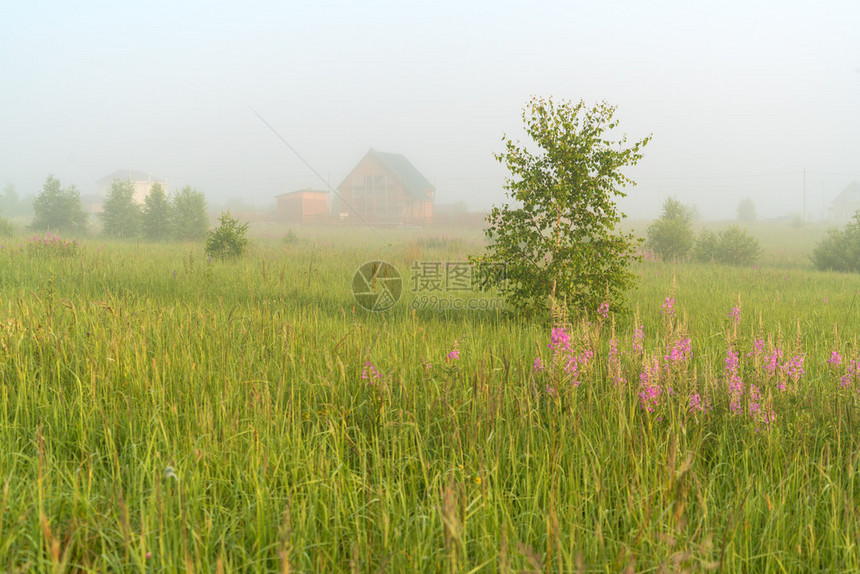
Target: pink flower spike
[[638, 337], [669, 307], [603, 310], [735, 314]]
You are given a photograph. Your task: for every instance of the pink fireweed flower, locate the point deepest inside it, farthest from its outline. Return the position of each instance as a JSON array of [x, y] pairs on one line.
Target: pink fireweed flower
[[758, 349], [603, 310], [649, 396], [615, 362], [669, 307], [846, 381], [678, 352], [559, 340], [638, 338], [731, 363], [537, 366], [370, 372], [773, 361], [794, 368], [735, 315], [454, 355], [736, 393], [736, 385], [835, 359], [649, 386], [755, 397], [698, 404], [574, 364]]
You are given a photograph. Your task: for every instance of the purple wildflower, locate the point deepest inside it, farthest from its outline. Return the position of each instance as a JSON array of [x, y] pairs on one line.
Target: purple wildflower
[[679, 352], [559, 340], [638, 338], [669, 307], [698, 404], [735, 315], [603, 310], [370, 372]]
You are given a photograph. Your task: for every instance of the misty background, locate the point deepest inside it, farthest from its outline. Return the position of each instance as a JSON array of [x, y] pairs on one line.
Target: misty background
[[741, 97]]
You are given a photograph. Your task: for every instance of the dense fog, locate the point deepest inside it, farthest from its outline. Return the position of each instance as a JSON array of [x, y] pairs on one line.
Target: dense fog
[[744, 100]]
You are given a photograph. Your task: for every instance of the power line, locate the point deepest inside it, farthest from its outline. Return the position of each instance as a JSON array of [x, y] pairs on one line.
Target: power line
[[321, 178]]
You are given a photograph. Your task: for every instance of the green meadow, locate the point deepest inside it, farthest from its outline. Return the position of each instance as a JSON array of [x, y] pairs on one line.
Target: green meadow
[[163, 412]]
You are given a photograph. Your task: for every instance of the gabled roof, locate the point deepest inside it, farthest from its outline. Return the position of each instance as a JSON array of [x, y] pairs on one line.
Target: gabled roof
[[847, 198], [413, 180], [414, 183], [131, 175]]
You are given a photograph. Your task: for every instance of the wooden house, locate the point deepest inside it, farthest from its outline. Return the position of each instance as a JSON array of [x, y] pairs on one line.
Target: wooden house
[[847, 203], [303, 206], [384, 189]]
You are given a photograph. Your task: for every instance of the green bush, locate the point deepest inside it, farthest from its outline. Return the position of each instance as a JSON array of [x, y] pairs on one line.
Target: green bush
[[6, 228], [228, 240], [840, 250], [737, 247], [705, 249], [671, 236], [731, 246]]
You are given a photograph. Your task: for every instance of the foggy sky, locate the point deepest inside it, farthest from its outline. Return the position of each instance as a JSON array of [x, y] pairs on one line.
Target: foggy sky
[[740, 96]]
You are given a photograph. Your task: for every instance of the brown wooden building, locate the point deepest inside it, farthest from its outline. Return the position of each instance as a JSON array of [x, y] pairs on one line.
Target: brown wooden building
[[303, 206], [384, 188]]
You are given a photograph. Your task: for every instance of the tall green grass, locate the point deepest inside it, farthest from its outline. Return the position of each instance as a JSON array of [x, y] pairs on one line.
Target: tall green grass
[[161, 412]]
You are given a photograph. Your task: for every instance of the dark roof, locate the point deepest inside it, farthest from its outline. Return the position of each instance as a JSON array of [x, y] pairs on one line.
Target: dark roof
[[414, 183], [306, 190], [131, 175]]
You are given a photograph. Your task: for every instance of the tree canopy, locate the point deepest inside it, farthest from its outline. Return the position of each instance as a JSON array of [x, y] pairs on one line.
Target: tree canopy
[[558, 237], [120, 213], [58, 209]]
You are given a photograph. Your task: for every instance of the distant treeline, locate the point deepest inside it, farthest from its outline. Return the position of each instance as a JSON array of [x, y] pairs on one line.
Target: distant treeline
[[181, 216]]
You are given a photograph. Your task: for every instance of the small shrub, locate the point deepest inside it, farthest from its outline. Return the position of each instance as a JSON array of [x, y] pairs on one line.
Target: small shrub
[[737, 247], [290, 237], [671, 236], [731, 246], [228, 240], [840, 250], [705, 249], [6, 228]]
